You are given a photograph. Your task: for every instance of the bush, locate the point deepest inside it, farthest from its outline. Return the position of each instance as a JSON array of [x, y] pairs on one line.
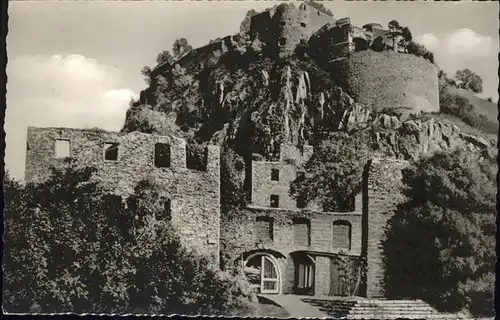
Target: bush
[[439, 243], [419, 51], [86, 251]]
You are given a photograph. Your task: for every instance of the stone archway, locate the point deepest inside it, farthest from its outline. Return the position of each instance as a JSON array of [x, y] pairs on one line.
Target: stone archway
[[263, 272]]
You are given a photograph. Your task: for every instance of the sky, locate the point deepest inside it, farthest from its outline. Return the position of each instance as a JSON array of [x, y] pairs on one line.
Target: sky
[[77, 63]]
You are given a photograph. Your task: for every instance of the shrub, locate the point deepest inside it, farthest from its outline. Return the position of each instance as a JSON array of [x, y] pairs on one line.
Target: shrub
[[334, 172], [85, 251]]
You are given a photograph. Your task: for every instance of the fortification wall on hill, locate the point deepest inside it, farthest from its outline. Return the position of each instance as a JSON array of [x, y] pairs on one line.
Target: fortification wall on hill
[[389, 81], [194, 195], [286, 26]]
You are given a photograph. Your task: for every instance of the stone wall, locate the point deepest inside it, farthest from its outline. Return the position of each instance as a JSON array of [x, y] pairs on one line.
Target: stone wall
[[390, 81], [383, 192], [287, 25], [195, 195], [239, 234], [239, 237], [291, 161]]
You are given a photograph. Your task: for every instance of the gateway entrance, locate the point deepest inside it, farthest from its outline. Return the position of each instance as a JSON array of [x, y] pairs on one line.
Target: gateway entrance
[[262, 273]]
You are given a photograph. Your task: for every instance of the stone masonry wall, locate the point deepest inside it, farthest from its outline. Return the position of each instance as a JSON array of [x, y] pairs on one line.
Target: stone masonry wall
[[291, 161], [287, 25], [239, 237], [195, 195], [322, 275], [382, 194], [403, 83]]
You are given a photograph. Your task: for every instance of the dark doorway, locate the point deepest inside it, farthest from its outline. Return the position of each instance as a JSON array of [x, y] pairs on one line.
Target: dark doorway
[[304, 274]]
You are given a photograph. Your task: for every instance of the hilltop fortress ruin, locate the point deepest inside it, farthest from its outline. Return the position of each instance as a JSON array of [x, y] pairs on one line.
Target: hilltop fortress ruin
[[386, 80], [283, 245]]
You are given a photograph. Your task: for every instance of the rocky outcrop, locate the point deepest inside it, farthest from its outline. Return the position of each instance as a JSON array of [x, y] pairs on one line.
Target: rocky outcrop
[[411, 139]]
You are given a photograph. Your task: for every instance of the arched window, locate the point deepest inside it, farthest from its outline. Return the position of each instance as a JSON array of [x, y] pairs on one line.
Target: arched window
[[341, 235]]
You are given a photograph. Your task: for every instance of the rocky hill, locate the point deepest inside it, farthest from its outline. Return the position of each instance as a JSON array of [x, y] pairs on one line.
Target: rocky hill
[[248, 95]]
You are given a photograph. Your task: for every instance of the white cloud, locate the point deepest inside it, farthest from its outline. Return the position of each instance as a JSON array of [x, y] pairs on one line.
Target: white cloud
[[429, 40], [70, 91], [466, 48], [463, 43]]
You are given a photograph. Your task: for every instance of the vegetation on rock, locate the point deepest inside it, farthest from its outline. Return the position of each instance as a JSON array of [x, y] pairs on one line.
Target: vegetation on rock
[[443, 235]]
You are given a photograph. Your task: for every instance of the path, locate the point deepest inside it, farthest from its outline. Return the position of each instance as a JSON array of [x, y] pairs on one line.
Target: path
[[295, 307]]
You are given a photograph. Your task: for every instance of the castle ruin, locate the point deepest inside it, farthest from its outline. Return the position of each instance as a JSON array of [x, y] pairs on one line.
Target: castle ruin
[[298, 245]]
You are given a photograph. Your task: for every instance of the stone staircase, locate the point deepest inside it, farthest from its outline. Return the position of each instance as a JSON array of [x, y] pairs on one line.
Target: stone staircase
[[378, 309]]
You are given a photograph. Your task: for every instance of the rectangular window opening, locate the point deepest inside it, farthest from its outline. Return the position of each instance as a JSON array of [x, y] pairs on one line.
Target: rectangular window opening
[[162, 155], [341, 235], [302, 232], [264, 229], [167, 210], [62, 148], [111, 151], [275, 175], [275, 201]]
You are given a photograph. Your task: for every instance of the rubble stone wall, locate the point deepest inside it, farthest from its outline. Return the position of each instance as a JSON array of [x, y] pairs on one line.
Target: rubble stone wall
[[383, 192], [194, 195]]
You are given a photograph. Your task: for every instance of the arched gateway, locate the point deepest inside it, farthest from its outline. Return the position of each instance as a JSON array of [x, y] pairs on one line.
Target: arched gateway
[[263, 272]]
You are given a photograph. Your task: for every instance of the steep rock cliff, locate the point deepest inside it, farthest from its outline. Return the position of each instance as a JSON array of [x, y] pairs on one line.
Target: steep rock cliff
[[242, 95]]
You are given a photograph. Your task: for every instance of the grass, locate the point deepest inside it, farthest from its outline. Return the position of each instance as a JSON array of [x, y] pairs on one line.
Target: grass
[[483, 106]]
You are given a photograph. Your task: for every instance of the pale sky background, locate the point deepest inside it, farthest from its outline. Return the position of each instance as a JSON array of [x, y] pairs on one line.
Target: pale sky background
[[77, 63]]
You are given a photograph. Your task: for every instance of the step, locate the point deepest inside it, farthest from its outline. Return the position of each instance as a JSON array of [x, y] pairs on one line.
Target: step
[[386, 317], [426, 309]]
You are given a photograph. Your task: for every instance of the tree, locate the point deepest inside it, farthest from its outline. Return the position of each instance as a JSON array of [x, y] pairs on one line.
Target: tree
[[439, 243], [393, 25], [164, 57], [245, 24], [85, 251], [467, 79], [334, 173], [180, 48], [420, 51], [406, 38], [171, 279], [146, 72], [63, 262]]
